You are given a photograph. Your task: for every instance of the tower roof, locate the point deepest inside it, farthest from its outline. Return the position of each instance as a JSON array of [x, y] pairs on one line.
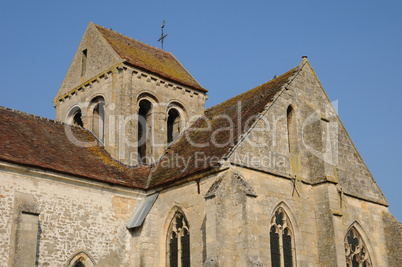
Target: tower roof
[[149, 58]]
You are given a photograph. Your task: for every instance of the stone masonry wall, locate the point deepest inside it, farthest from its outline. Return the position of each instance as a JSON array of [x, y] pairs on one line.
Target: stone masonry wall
[[72, 217], [151, 238], [122, 89], [393, 236], [273, 192], [367, 218], [324, 149], [100, 57]]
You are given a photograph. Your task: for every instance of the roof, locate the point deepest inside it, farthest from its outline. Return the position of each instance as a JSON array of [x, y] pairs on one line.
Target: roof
[[32, 141], [195, 150], [149, 58]]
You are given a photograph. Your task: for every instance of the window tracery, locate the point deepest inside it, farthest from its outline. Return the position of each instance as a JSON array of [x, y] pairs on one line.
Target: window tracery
[[178, 240], [355, 250], [282, 240]]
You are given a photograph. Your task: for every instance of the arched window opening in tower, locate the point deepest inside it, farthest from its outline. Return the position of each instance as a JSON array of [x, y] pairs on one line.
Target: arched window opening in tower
[[173, 125], [77, 119], [98, 118], [144, 129]]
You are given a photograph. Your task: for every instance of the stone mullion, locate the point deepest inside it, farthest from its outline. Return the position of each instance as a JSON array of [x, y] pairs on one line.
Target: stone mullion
[[281, 247], [179, 234], [293, 249]]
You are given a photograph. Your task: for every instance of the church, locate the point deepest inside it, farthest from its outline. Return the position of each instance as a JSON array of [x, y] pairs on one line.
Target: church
[[134, 171]]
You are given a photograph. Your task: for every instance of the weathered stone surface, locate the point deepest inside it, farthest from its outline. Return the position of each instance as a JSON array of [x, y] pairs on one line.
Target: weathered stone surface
[[73, 215], [296, 172], [393, 237]]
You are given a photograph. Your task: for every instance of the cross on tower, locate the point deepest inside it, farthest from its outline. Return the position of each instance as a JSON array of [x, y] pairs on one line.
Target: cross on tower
[[162, 35]]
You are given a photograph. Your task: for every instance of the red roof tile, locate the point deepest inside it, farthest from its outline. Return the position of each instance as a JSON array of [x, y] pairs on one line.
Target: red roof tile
[[184, 158], [29, 140], [32, 141], [149, 58]]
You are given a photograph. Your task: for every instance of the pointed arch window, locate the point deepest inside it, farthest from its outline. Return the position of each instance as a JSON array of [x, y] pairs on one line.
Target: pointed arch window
[[173, 124], [282, 241], [178, 242], [80, 259], [355, 250], [144, 130]]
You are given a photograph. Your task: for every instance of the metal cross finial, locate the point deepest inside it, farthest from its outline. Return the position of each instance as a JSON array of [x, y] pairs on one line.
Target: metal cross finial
[[162, 36]]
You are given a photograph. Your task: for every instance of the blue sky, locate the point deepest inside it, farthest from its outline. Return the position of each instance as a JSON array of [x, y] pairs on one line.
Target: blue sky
[[230, 47]]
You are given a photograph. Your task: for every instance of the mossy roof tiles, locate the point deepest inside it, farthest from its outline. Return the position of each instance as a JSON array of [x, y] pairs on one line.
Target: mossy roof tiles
[[32, 141], [36, 142], [204, 144], [149, 58]]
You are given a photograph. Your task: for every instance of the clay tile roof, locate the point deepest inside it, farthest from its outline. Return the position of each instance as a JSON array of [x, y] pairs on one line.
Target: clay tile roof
[[45, 144], [32, 141], [194, 151], [149, 58]]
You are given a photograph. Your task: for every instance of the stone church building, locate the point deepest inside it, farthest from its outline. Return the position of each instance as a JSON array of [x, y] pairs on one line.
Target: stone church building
[[135, 172]]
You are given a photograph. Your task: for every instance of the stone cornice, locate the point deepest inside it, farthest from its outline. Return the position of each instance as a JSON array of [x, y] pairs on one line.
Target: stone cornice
[[88, 83], [140, 74]]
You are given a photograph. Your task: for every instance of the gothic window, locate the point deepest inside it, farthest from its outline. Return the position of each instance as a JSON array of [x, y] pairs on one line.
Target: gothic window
[[80, 259], [98, 117], [356, 251], [173, 125], [282, 241], [178, 244], [79, 264], [144, 129]]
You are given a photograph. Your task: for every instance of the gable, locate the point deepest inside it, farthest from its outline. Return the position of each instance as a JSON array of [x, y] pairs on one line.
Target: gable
[[232, 180], [324, 150], [100, 57]]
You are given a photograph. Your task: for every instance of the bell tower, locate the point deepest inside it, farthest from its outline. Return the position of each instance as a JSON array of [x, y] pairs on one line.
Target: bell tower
[[134, 97]]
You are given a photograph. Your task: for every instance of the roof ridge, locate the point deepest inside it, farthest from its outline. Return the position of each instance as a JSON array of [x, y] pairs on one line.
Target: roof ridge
[[148, 58], [296, 70], [167, 52], [254, 88]]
